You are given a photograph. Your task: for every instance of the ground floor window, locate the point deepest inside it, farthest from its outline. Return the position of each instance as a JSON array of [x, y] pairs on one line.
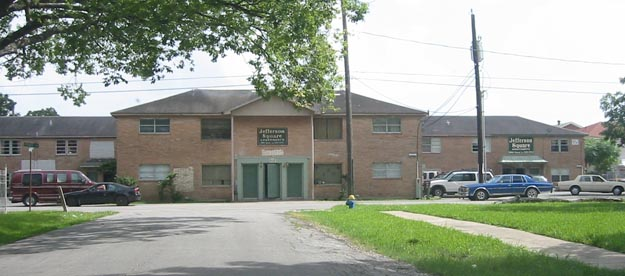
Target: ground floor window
[[558, 175], [153, 172], [328, 173], [386, 170], [216, 175]]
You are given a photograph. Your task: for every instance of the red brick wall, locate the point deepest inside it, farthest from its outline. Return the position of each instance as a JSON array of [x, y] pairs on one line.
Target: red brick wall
[[181, 148], [369, 147], [456, 154]]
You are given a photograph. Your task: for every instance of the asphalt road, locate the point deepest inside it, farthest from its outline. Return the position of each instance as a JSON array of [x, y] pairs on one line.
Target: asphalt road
[[194, 239], [205, 239]]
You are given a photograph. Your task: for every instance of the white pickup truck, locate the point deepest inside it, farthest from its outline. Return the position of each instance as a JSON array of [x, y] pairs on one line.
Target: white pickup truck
[[590, 183], [449, 183]]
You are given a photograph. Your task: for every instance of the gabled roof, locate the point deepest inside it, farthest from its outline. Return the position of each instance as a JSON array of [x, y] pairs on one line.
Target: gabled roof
[[67, 127], [216, 102], [493, 126], [593, 130], [362, 105]]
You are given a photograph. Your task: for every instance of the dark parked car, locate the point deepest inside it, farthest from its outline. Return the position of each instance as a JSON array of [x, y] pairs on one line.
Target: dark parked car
[[102, 193], [506, 185]]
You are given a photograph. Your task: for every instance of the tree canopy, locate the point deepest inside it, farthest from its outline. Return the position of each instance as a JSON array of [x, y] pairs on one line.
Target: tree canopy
[[290, 40], [613, 106], [7, 106], [50, 111], [601, 154]]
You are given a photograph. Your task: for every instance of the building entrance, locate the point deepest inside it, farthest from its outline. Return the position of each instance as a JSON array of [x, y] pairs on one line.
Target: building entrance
[[272, 178]]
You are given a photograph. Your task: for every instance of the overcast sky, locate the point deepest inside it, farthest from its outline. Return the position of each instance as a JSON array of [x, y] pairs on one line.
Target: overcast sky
[[416, 54]]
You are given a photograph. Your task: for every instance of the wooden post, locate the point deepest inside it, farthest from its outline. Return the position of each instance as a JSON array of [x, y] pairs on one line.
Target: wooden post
[[62, 199]]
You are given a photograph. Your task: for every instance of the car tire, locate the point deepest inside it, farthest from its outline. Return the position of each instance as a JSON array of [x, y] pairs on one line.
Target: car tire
[[480, 195], [471, 198], [437, 191], [575, 190], [121, 201], [71, 201], [29, 200], [617, 191], [531, 192]]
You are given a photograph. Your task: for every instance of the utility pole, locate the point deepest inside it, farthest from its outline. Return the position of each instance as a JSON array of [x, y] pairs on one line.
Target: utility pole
[[477, 57], [348, 108]]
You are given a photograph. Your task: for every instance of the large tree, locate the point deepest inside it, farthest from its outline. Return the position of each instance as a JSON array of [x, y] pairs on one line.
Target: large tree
[[290, 40], [613, 106], [601, 154], [7, 106]]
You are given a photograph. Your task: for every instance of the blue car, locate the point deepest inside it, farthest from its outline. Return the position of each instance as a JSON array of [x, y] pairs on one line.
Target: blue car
[[506, 185]]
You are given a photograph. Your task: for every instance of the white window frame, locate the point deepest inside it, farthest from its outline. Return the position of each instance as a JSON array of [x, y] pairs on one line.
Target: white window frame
[[559, 144], [157, 128], [387, 170], [10, 146], [384, 122], [68, 147], [487, 145], [153, 172], [434, 143]]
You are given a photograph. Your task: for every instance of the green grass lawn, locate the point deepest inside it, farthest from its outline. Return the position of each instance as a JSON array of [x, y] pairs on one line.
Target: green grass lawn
[[20, 225], [446, 251]]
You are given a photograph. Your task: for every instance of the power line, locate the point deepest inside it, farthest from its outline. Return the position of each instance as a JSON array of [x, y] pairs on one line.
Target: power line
[[490, 77], [131, 90], [100, 82], [493, 87], [498, 52]]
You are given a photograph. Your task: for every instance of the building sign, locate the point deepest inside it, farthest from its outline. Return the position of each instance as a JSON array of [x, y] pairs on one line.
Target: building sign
[[273, 136], [520, 144]]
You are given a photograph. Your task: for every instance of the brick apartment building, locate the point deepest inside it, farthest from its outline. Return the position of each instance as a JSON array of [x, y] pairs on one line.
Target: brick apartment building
[[231, 145], [71, 143], [513, 145]]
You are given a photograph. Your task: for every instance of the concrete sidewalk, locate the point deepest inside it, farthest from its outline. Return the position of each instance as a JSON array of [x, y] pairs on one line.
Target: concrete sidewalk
[[553, 247]]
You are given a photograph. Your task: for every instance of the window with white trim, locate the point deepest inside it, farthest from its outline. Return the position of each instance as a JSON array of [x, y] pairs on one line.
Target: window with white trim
[[559, 145], [154, 126], [66, 147], [10, 147], [386, 170], [486, 145], [216, 175], [386, 125], [153, 172], [558, 175], [431, 145]]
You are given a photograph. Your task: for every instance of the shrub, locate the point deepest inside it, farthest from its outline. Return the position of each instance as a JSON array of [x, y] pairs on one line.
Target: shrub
[[126, 180], [167, 189]]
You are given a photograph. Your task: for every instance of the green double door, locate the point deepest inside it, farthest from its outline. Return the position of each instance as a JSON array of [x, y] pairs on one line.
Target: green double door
[[265, 180]]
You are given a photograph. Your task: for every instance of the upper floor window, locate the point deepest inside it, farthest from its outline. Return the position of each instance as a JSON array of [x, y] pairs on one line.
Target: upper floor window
[[10, 147], [386, 170], [431, 145], [66, 147], [474, 147], [386, 125], [559, 145], [216, 129], [154, 126], [328, 128]]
